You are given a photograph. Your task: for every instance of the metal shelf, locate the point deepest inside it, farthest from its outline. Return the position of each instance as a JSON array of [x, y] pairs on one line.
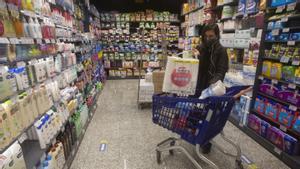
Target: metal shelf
[[234, 3], [291, 161], [276, 99], [276, 124], [281, 81], [120, 78]]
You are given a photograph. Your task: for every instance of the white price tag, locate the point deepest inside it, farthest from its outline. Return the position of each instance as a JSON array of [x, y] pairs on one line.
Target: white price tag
[[4, 41], [53, 41], [14, 41], [39, 41], [293, 108], [280, 9], [296, 62], [292, 86], [285, 30], [274, 81], [275, 32], [291, 43], [22, 138], [261, 77], [283, 128], [277, 150], [284, 59], [291, 6], [285, 19], [47, 40]]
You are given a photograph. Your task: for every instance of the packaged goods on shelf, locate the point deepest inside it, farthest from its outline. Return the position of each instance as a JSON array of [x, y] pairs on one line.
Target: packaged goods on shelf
[[13, 157], [146, 91]]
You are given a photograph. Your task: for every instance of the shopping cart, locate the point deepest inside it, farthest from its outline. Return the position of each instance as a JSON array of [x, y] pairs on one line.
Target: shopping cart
[[196, 121]]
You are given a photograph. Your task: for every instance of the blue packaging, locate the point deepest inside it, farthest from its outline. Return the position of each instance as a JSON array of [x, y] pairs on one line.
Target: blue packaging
[[279, 25], [275, 3], [270, 37], [283, 37], [271, 109], [290, 145], [286, 116], [264, 128], [295, 36], [290, 1], [259, 104], [271, 25], [242, 7], [296, 125], [251, 6]]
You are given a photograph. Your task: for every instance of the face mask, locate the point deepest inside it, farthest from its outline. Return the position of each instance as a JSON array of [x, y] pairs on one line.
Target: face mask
[[211, 41]]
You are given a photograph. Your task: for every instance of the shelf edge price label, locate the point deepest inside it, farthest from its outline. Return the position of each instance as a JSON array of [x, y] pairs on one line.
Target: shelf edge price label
[[53, 41], [285, 30], [291, 7], [283, 128], [284, 59], [277, 150], [14, 40], [275, 32], [292, 107], [274, 81], [4, 41], [279, 9], [47, 40], [292, 86], [39, 41], [22, 138], [296, 62], [285, 19], [291, 43]]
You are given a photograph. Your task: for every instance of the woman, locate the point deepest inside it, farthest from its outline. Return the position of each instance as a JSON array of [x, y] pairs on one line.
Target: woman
[[213, 58]]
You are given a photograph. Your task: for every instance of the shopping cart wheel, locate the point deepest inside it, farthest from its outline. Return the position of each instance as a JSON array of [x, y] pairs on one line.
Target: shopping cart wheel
[[158, 157], [172, 144], [206, 148]]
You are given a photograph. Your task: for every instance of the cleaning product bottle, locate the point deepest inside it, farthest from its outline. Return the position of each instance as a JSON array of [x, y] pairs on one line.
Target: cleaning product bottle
[[31, 27], [38, 28]]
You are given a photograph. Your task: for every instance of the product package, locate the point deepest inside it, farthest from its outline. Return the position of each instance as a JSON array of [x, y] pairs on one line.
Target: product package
[[286, 116], [181, 76], [272, 109], [259, 105]]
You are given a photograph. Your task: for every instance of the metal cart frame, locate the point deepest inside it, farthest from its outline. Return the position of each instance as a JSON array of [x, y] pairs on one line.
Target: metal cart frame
[[210, 131]]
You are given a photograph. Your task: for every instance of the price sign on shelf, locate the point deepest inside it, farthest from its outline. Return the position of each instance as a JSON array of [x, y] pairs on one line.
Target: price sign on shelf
[[279, 9], [47, 40], [39, 41], [53, 41], [14, 40], [261, 77], [296, 62], [291, 43], [22, 138], [4, 41], [285, 19], [286, 30], [291, 6], [274, 81], [292, 86], [284, 59], [275, 32], [283, 128], [293, 108], [277, 150]]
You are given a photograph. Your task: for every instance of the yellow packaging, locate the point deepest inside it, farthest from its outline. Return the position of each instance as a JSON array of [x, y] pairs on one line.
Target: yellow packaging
[[4, 128], [12, 118], [276, 70], [266, 70]]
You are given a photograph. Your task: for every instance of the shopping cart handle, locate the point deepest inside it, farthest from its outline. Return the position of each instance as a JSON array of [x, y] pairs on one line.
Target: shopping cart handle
[[242, 92]]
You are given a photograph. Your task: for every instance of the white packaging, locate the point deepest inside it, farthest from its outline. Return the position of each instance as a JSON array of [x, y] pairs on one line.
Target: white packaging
[[17, 156], [146, 91], [181, 76]]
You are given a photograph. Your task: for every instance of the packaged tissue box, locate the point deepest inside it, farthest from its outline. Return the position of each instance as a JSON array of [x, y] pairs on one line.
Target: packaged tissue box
[[181, 76]]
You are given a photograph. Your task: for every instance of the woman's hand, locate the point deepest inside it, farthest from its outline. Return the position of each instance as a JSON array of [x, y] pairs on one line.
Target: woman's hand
[[196, 52]]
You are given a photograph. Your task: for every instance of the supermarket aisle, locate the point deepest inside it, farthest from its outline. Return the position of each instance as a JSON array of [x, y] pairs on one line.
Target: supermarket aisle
[[131, 137]]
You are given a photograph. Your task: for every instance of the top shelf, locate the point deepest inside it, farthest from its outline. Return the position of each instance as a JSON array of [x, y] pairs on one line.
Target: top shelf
[[234, 3]]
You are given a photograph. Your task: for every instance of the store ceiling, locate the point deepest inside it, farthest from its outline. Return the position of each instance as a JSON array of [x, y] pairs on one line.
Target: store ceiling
[[135, 5]]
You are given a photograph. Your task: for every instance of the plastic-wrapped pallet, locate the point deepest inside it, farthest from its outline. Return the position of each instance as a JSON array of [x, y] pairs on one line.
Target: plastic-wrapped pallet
[[146, 91], [181, 76]]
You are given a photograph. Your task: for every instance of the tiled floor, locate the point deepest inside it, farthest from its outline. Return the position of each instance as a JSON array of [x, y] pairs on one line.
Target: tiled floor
[[131, 138]]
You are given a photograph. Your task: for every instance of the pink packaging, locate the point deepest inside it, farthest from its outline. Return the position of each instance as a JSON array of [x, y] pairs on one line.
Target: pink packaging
[[276, 136], [254, 123]]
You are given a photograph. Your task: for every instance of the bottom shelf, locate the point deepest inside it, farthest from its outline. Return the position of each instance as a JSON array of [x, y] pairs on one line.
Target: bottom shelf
[[291, 161], [75, 148]]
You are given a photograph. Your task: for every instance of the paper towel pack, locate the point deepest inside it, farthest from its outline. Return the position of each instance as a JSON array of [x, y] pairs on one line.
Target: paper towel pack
[[181, 76]]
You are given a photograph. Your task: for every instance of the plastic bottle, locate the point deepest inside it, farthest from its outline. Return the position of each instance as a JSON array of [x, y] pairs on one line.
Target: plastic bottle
[[26, 28], [31, 27], [38, 28]]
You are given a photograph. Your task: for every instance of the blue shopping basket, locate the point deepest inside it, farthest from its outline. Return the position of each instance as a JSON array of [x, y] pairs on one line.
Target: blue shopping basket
[[196, 121]]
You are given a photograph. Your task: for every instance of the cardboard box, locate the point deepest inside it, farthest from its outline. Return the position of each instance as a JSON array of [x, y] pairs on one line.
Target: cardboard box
[[158, 80]]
